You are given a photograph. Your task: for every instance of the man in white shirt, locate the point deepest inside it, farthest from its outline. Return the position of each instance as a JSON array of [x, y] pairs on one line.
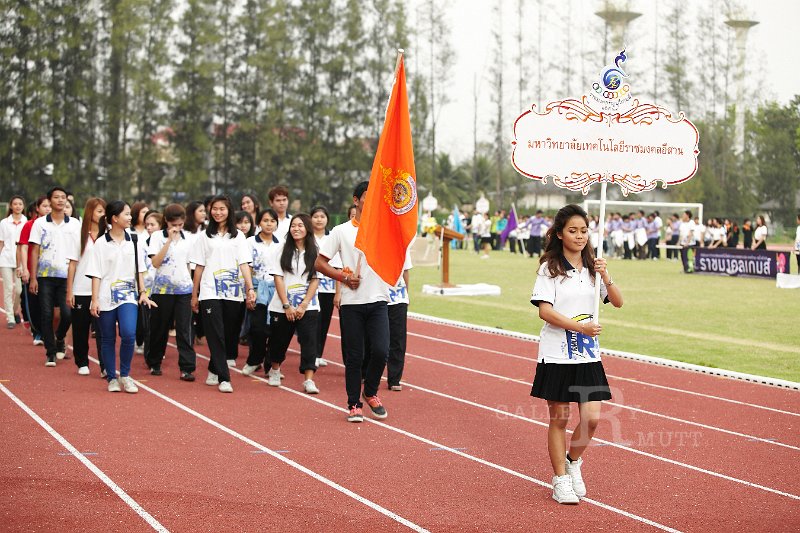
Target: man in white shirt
[[686, 238], [279, 202], [51, 238], [362, 312]]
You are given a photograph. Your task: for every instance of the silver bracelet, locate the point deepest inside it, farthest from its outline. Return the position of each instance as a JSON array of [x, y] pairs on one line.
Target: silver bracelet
[[610, 282]]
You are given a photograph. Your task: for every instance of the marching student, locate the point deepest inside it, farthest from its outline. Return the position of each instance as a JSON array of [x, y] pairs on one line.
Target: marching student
[[153, 221], [245, 224], [251, 204], [261, 247], [116, 266], [79, 286], [569, 367], [25, 269], [221, 256], [10, 229], [50, 239], [294, 307], [139, 211], [171, 290], [363, 309], [327, 286], [194, 225]]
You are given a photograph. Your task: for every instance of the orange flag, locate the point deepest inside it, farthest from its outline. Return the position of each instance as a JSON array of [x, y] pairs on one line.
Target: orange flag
[[389, 217]]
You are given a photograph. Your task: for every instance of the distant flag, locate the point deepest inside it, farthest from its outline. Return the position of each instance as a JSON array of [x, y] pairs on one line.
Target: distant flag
[[457, 226], [511, 226], [389, 219]]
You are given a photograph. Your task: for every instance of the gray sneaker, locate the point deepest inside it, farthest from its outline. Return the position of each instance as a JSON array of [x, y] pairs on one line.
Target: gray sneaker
[[128, 385], [274, 378], [113, 386]]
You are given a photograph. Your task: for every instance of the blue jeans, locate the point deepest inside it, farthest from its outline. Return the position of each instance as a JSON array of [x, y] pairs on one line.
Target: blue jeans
[[125, 315]]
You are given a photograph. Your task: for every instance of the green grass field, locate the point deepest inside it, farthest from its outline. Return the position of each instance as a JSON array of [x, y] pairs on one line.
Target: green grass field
[[742, 324]]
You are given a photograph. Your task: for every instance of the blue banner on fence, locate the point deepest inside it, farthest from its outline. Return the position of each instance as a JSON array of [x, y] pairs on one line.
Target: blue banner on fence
[[739, 262]]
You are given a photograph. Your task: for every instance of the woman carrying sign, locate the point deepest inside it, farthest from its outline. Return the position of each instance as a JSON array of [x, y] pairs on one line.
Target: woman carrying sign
[[569, 367]]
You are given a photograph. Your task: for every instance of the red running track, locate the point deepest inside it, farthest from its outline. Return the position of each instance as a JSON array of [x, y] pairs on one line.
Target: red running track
[[463, 448]]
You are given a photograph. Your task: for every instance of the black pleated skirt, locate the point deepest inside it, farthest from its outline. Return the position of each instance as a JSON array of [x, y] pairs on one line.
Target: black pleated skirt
[[582, 382]]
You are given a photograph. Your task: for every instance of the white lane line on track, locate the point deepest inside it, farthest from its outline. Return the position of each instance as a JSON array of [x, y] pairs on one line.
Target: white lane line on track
[[638, 382], [278, 454], [598, 441], [621, 406], [138, 509], [460, 453]]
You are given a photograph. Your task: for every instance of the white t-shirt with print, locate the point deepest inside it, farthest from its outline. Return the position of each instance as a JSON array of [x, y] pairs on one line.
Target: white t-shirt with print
[[54, 242], [9, 235], [113, 263], [283, 228], [173, 276], [327, 285], [261, 254], [296, 281], [571, 295], [399, 293], [82, 285], [221, 256], [342, 240]]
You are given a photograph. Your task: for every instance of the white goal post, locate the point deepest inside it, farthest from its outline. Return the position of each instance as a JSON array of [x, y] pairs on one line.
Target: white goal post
[[628, 206]]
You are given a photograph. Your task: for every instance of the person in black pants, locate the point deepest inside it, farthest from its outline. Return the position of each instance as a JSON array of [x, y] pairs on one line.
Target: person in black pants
[[221, 255], [295, 306], [79, 286], [397, 310], [168, 250]]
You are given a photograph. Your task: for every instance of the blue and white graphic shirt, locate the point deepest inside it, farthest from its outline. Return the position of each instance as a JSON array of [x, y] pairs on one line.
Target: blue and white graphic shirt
[[113, 263], [327, 285], [571, 295], [173, 276], [261, 252], [399, 293], [221, 257], [295, 281], [55, 242]]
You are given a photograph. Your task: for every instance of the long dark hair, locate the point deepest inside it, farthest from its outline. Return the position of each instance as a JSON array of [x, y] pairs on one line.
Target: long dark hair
[[554, 249], [113, 209], [213, 225], [191, 224], [15, 197], [88, 218], [309, 243], [254, 199]]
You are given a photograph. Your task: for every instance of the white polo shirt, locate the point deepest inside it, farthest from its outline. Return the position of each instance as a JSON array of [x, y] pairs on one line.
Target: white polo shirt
[[9, 235], [54, 242], [261, 254], [295, 281], [82, 285], [327, 285], [571, 295], [173, 276], [372, 288], [221, 256], [399, 293], [283, 228], [113, 263]]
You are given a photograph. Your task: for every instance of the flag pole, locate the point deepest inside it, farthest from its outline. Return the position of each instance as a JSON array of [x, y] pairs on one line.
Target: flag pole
[[601, 222]]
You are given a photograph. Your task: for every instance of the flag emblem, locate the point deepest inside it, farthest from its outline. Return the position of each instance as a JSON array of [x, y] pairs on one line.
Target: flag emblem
[[400, 190]]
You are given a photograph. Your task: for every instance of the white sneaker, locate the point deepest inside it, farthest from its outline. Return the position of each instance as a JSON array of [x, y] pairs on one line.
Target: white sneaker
[[562, 490], [140, 348], [574, 471], [231, 363], [225, 386], [274, 378], [113, 386], [249, 369], [128, 385], [83, 371], [61, 355], [212, 379], [103, 373], [310, 387], [321, 362]]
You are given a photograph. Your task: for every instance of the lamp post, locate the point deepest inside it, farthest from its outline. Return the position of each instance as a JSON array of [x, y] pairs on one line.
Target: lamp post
[[429, 204], [741, 27]]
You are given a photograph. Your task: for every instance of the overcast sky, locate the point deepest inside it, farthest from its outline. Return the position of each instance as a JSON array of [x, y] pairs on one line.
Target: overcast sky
[[772, 55]]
